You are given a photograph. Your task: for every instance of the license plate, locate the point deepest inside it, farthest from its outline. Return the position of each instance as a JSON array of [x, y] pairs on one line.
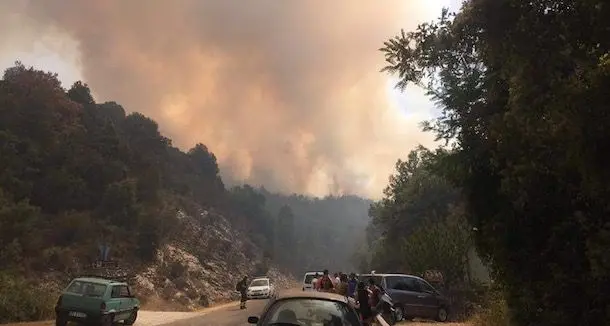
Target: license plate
[[77, 314]]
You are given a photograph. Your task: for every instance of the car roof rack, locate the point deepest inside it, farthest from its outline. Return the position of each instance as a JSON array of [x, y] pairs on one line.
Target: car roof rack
[[114, 278]]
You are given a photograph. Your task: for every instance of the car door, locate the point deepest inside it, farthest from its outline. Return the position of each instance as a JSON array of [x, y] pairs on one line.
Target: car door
[[412, 295], [398, 290], [126, 305], [392, 288], [113, 305], [428, 299]]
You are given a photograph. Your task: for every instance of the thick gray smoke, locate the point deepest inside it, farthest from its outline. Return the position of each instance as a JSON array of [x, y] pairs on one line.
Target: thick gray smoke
[[286, 93]]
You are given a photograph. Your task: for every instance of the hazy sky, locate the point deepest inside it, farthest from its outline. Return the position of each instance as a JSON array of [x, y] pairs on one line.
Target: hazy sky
[[286, 93]]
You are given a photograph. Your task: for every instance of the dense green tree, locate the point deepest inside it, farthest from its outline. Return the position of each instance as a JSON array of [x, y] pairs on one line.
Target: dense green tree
[[420, 223], [250, 204], [285, 246], [523, 88], [74, 172]]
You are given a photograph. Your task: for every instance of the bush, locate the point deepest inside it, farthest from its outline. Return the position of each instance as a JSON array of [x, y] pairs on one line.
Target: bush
[[467, 299], [21, 301], [494, 312]]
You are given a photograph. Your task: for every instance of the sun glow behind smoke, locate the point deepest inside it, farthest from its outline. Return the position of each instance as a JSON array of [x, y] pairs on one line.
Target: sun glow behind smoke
[[286, 95]]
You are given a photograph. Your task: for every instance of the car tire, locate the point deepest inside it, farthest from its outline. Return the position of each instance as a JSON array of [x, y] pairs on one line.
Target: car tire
[[132, 318], [61, 320], [442, 315], [399, 314]]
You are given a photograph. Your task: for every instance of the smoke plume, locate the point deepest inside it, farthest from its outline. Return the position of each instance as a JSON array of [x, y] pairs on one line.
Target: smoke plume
[[286, 93]]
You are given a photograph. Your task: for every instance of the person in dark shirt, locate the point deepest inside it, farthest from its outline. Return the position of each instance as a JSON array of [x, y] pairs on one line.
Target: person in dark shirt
[[242, 287], [364, 306], [351, 285]]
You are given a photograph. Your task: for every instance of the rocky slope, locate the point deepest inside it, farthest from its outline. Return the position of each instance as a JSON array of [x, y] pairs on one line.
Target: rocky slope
[[201, 265]]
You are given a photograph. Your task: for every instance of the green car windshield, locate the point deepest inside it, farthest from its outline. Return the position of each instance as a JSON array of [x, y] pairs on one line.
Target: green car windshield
[[89, 289]]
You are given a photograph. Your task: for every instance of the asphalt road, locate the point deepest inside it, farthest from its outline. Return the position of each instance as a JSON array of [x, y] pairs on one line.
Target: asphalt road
[[229, 316], [233, 316]]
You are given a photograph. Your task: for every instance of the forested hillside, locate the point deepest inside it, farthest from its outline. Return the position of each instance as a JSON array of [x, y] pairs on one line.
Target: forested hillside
[[75, 174], [327, 231]]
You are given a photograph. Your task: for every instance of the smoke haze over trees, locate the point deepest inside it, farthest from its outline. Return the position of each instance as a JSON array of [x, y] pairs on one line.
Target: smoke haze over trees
[[279, 91]]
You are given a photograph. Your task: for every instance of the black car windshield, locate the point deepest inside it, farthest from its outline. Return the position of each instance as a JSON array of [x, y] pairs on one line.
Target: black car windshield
[[87, 288], [259, 283], [310, 311]]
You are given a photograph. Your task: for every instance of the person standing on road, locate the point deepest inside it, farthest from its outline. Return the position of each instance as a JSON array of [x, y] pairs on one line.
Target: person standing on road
[[341, 287], [325, 283], [375, 293], [242, 287], [351, 285], [364, 307], [315, 282]]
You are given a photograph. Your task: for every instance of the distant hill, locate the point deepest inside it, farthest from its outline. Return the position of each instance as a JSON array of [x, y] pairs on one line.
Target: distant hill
[[328, 230]]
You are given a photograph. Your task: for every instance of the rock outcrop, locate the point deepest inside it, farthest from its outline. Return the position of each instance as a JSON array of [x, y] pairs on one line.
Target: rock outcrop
[[201, 265]]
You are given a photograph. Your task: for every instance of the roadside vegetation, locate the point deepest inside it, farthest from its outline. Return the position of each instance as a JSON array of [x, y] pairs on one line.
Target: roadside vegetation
[[76, 174], [522, 88], [521, 181]]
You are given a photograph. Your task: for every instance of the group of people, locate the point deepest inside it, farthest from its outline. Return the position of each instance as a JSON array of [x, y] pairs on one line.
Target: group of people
[[366, 295]]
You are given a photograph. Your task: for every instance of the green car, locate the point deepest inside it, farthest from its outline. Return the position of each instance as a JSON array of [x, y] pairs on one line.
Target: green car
[[94, 300]]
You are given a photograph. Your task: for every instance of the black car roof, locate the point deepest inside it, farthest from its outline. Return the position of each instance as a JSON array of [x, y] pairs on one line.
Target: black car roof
[[299, 294]]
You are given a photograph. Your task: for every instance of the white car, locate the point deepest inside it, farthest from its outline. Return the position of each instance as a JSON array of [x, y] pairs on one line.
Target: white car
[[307, 279], [260, 288]]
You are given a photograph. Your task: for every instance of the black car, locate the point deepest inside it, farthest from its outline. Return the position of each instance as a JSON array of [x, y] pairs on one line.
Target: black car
[[307, 308], [412, 296]]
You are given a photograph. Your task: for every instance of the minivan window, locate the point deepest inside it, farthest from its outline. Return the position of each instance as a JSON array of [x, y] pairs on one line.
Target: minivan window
[[394, 282], [425, 287], [411, 284]]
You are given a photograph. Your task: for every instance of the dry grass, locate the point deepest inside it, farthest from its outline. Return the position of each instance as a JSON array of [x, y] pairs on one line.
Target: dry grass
[[430, 323], [33, 323]]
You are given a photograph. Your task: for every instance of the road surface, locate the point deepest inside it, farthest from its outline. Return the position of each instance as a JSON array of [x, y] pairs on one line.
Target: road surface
[[222, 315], [229, 315]]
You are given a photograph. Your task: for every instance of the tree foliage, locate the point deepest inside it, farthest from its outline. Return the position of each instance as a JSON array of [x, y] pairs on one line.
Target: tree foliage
[[523, 88], [420, 224], [75, 173]]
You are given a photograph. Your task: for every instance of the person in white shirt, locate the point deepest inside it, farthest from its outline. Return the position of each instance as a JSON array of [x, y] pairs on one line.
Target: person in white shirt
[[314, 282]]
